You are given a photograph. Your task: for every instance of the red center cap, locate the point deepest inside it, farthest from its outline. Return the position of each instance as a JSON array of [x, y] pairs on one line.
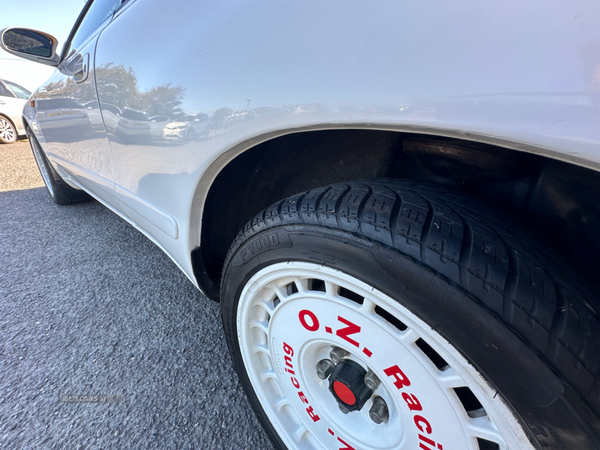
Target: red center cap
[[344, 393]]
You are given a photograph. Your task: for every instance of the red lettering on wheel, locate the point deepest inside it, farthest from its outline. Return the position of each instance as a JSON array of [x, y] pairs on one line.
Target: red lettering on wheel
[[311, 413], [347, 446], [314, 325], [401, 379], [351, 328], [412, 401], [420, 420]]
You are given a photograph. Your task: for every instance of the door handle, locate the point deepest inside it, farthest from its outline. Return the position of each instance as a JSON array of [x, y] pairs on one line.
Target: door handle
[[82, 69]]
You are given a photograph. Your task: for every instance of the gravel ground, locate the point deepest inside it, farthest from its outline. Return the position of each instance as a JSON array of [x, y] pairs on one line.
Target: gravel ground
[[89, 306]]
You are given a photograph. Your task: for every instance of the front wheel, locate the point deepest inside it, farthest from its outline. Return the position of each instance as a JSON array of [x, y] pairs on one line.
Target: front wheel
[[61, 192], [8, 132], [384, 315]]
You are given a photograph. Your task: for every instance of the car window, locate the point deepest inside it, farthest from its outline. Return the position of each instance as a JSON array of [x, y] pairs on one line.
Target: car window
[[4, 92], [97, 13], [19, 91]]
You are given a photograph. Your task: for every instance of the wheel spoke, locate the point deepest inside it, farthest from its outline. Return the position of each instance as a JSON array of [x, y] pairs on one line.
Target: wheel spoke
[[300, 432], [408, 336], [262, 348], [267, 305], [281, 294], [268, 374], [261, 325], [331, 289], [449, 379], [482, 427], [311, 440], [301, 284], [281, 403], [368, 306]]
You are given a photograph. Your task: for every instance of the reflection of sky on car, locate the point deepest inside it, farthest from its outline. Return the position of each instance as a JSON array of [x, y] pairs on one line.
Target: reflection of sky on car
[[228, 83], [228, 87], [55, 18]]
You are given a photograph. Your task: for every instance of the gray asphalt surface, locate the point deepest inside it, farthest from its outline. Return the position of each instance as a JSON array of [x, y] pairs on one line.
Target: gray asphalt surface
[[89, 306]]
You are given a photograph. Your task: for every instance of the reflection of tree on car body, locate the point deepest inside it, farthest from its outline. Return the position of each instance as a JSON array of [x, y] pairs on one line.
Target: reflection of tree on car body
[[126, 109], [134, 112]]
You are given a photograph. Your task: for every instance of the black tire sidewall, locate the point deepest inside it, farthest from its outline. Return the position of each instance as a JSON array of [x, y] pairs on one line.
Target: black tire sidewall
[[534, 392]]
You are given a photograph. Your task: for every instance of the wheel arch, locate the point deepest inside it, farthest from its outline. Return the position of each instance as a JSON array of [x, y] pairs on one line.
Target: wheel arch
[[25, 122], [233, 189]]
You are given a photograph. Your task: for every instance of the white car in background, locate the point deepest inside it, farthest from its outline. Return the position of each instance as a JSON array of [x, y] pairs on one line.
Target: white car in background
[[12, 101], [396, 203], [186, 127]]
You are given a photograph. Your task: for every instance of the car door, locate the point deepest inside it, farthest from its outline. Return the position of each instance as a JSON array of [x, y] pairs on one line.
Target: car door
[[67, 109], [11, 106]]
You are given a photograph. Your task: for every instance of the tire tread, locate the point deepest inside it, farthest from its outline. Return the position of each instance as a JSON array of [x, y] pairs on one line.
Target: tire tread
[[503, 266]]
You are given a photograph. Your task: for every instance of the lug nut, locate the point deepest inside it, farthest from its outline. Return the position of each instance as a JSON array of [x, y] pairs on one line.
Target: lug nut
[[337, 354], [371, 380], [343, 408], [324, 368], [379, 412]]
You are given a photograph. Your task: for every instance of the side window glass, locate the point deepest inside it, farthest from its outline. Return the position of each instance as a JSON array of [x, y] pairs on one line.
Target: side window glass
[[19, 91], [5, 92], [97, 13]]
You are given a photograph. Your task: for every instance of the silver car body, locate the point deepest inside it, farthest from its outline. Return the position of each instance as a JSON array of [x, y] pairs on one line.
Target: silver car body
[[12, 102], [522, 75]]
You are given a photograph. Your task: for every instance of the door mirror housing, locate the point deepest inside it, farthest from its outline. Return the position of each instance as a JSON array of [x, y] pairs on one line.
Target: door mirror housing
[[30, 44]]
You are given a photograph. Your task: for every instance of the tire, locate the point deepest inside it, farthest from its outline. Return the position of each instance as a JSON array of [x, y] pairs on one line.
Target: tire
[[8, 132], [419, 285], [61, 192]]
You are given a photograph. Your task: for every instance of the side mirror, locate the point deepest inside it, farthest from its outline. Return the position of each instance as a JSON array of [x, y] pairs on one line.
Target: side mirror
[[30, 44]]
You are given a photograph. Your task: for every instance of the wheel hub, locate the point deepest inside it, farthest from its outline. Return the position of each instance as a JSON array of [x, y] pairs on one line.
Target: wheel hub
[[347, 385]]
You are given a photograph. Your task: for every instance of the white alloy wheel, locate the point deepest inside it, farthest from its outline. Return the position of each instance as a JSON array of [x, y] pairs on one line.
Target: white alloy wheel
[[291, 315], [8, 134]]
